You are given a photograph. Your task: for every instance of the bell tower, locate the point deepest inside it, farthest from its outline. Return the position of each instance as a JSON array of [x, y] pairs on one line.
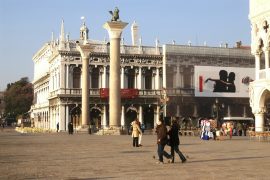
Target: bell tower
[[84, 31]]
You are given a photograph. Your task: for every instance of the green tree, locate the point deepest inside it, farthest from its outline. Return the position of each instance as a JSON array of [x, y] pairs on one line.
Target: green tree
[[18, 97]]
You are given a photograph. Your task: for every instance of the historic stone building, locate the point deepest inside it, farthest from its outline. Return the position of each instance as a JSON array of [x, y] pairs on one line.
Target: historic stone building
[[260, 41], [155, 81]]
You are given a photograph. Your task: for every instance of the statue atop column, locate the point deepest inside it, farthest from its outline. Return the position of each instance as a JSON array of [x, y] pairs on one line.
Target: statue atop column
[[115, 14]]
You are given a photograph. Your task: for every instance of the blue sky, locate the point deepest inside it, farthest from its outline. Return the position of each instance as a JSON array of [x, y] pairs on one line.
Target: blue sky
[[25, 25]]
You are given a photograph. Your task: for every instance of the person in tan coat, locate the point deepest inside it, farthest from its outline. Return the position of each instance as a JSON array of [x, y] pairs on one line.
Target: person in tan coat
[[136, 131]]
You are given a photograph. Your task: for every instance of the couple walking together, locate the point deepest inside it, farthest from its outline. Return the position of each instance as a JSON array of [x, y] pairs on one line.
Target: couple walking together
[[173, 141]]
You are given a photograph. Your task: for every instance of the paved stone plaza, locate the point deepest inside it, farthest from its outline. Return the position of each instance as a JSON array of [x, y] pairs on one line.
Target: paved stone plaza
[[84, 156]]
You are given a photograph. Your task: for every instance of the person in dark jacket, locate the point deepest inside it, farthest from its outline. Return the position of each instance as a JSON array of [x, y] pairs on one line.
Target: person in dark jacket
[[174, 141], [162, 140]]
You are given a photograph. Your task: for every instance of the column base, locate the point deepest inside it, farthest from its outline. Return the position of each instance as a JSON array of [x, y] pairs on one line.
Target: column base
[[111, 131]]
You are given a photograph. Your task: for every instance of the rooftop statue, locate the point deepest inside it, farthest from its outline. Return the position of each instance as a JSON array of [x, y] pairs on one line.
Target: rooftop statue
[[115, 14]]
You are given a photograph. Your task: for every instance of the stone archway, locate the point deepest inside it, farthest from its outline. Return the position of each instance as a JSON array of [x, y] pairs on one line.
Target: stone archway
[[131, 114], [259, 107], [75, 114], [148, 117], [95, 116]]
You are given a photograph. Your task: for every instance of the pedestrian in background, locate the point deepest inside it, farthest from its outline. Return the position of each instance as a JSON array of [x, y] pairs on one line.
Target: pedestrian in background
[[136, 131], [57, 127], [70, 128], [140, 135]]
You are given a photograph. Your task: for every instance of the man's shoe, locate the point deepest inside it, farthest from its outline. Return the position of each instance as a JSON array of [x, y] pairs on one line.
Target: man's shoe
[[184, 161], [159, 162]]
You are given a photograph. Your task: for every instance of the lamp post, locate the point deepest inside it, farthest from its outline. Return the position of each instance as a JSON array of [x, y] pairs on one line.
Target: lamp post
[[218, 108]]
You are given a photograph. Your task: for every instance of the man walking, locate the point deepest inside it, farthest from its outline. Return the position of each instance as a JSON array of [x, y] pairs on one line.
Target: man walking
[[162, 139], [174, 141]]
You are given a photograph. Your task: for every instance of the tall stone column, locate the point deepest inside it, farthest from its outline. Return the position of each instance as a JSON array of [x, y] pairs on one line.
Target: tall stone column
[[104, 118], [85, 53], [266, 55], [114, 29], [139, 86], [157, 79], [178, 76], [157, 114], [122, 77], [123, 116], [140, 114], [104, 77]]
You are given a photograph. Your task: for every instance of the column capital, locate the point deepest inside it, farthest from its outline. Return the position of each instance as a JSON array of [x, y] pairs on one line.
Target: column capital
[[115, 28], [85, 50], [259, 111], [267, 48], [258, 52]]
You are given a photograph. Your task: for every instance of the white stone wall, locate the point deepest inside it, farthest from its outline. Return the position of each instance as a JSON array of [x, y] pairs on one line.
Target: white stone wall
[[260, 37]]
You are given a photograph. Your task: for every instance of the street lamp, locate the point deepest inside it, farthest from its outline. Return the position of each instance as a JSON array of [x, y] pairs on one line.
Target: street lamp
[[218, 108]]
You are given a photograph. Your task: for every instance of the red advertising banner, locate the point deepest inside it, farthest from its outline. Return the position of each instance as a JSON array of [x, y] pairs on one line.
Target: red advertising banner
[[125, 93]]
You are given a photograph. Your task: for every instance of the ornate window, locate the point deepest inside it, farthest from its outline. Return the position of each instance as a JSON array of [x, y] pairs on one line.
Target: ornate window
[[131, 78], [77, 77], [95, 78], [148, 79]]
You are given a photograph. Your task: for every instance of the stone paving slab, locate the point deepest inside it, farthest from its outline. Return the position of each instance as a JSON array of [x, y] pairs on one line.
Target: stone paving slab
[[84, 156]]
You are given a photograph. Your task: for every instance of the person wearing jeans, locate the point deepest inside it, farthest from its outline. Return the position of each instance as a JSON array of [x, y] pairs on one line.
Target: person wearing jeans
[[174, 141], [162, 139]]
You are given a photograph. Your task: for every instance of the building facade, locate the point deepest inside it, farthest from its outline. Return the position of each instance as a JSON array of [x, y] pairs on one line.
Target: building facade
[[156, 81], [260, 41]]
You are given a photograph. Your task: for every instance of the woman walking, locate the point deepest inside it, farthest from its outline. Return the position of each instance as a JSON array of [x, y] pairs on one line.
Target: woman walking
[[174, 141]]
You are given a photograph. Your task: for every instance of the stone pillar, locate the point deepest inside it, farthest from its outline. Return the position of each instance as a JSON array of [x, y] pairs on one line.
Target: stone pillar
[[259, 121], [266, 54], [178, 111], [244, 111], [139, 86], [257, 65], [122, 77], [195, 111], [140, 114], [157, 114], [229, 111], [104, 77], [157, 79], [181, 77], [164, 62], [178, 76], [67, 76], [85, 53], [67, 118], [104, 120], [123, 116], [62, 73], [114, 29]]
